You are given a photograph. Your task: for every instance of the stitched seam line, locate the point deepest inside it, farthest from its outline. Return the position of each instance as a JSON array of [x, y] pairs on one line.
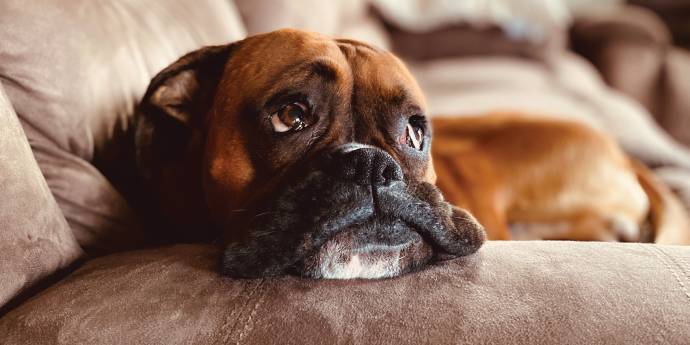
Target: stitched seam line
[[235, 315], [685, 270], [668, 266], [681, 270], [249, 324]]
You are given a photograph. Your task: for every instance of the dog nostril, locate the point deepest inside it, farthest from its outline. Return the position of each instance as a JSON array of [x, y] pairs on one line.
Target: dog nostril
[[384, 170]]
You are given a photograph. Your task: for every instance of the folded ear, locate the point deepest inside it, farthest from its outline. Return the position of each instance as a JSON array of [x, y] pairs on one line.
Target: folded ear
[[175, 104]]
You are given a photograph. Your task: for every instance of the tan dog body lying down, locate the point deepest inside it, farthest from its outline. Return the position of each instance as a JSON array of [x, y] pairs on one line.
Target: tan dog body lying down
[[537, 178]]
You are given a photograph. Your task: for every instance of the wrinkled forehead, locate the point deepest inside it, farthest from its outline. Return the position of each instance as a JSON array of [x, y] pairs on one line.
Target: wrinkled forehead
[[378, 72], [272, 60]]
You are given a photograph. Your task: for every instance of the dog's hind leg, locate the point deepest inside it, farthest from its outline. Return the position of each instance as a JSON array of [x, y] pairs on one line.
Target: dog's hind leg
[[490, 213]]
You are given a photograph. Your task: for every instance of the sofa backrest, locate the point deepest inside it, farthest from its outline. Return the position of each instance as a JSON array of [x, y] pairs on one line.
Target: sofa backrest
[[74, 70]]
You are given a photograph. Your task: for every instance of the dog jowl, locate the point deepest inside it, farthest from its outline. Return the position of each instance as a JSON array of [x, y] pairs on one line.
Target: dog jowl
[[309, 155]]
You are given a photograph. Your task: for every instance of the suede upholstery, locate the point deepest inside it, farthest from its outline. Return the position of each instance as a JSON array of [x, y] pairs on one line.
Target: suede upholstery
[[74, 70], [510, 292], [35, 240]]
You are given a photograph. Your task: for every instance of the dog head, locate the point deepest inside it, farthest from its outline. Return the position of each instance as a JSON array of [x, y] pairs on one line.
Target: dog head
[[310, 154]]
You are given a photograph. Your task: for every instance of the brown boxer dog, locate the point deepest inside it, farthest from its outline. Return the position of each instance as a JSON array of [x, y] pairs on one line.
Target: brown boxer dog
[[310, 154]]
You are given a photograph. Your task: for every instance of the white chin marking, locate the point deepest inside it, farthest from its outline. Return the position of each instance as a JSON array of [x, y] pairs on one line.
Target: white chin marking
[[333, 267]]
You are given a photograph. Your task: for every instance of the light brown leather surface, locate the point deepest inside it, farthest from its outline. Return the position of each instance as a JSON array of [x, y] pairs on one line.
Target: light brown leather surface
[[510, 292]]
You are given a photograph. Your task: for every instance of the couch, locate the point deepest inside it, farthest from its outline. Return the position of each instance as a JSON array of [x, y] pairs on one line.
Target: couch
[[77, 266]]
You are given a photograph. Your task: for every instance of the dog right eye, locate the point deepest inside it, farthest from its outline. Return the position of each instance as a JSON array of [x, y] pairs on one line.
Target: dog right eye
[[290, 118]]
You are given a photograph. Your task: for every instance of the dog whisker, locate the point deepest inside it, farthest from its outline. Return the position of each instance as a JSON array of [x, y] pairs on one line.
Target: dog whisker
[[262, 214]]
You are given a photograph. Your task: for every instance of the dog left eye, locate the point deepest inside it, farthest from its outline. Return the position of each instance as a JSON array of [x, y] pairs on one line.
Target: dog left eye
[[290, 117], [414, 134]]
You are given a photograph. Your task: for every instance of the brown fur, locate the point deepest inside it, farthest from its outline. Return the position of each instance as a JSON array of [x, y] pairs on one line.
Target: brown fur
[[667, 215], [563, 179]]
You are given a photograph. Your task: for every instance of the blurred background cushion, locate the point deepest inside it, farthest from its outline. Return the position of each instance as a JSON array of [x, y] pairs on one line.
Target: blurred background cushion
[[338, 18], [617, 42], [531, 20], [633, 50], [74, 72], [433, 29], [35, 240], [674, 13], [676, 85], [510, 292]]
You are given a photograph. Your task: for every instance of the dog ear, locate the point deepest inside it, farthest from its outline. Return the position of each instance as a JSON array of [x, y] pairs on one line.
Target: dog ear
[[175, 104]]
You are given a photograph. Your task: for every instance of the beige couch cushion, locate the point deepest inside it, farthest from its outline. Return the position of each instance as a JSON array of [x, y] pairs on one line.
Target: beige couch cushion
[[676, 117], [35, 241], [435, 29], [74, 70], [510, 293], [340, 18]]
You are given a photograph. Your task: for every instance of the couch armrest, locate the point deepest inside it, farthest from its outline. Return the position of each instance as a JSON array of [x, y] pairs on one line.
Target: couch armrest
[[35, 241], [510, 292]]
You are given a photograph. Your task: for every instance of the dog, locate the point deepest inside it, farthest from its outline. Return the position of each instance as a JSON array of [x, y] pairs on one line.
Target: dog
[[312, 156]]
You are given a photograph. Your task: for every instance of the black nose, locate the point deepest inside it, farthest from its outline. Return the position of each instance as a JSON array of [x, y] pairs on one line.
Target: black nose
[[364, 165]]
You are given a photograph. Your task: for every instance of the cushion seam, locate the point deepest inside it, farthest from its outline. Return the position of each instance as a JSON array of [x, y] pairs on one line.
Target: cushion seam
[[234, 316], [664, 259], [681, 267], [248, 323], [229, 327]]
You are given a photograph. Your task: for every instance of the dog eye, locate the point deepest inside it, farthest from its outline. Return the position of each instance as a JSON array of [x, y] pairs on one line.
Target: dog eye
[[414, 133], [290, 117]]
